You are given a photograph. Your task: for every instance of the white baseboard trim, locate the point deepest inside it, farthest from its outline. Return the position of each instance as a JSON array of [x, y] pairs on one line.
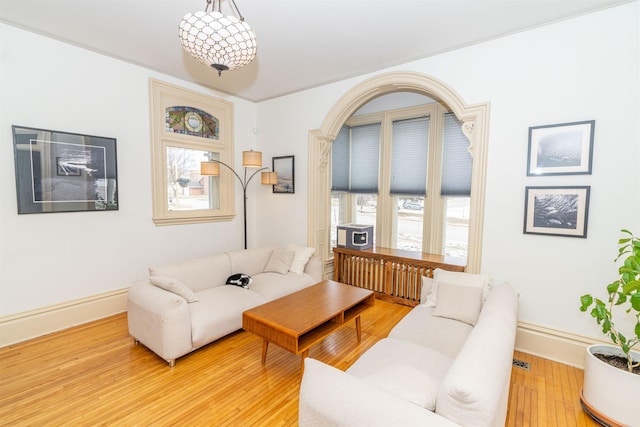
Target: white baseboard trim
[[553, 344], [34, 323]]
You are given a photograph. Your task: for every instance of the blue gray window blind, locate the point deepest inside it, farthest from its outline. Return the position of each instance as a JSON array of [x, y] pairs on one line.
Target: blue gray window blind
[[355, 159], [409, 154], [456, 160], [340, 161]]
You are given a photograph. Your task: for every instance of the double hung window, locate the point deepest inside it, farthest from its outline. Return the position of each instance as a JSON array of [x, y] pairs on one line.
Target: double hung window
[[355, 174]]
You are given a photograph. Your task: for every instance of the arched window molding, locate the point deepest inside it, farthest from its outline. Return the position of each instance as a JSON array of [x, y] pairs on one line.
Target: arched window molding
[[475, 126]]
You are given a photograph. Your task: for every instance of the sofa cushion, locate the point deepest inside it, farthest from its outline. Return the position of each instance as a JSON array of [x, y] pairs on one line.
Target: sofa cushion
[[275, 285], [301, 257], [421, 327], [280, 261], [197, 274], [219, 312], [407, 382], [457, 278], [175, 286], [249, 261], [330, 397], [461, 303], [405, 369]]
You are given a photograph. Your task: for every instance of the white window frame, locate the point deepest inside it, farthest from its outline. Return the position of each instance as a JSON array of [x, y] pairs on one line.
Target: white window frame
[[162, 96]]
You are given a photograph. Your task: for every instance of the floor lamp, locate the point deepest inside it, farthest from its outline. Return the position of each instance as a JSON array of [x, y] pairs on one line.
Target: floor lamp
[[250, 159]]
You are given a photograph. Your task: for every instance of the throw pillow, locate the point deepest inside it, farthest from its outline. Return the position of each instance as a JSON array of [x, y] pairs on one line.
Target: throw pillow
[[427, 284], [300, 259], [240, 279], [457, 278], [280, 261], [462, 303], [174, 286]]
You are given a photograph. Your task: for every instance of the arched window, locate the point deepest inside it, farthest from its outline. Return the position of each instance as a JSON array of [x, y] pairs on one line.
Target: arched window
[[475, 122]]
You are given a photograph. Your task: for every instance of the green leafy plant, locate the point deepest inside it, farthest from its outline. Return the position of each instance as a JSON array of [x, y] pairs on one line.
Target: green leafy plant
[[625, 292]]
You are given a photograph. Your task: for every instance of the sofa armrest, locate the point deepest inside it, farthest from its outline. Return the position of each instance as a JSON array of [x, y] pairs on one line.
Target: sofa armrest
[[160, 320], [330, 397], [314, 268], [475, 390]]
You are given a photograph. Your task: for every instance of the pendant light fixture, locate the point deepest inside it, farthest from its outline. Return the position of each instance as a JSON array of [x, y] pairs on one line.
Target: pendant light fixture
[[219, 41]]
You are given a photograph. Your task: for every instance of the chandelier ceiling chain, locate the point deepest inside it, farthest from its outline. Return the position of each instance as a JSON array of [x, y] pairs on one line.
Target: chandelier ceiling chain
[[219, 41]]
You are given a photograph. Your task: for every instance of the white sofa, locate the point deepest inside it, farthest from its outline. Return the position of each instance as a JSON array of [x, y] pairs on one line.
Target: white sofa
[[432, 370], [185, 305]]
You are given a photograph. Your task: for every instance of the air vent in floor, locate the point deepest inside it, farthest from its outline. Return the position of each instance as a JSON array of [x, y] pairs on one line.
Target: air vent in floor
[[521, 364]]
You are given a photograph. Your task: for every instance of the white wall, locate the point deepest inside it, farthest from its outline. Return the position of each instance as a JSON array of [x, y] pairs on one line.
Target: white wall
[[47, 259], [580, 69]]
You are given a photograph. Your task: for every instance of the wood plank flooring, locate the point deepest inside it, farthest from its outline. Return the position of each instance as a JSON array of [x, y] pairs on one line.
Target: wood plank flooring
[[546, 395], [94, 374]]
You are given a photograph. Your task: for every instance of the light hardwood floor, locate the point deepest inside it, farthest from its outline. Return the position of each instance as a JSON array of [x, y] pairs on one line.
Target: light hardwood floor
[[93, 374]]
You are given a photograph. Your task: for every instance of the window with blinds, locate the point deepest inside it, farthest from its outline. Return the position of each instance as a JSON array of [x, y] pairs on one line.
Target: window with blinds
[[341, 161], [399, 152], [409, 155], [355, 159], [456, 160]]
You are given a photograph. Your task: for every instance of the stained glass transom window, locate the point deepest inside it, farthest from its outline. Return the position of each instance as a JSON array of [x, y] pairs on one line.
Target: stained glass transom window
[[192, 121]]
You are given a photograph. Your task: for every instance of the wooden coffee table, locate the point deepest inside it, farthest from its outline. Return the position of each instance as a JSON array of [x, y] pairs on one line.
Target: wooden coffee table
[[299, 320]]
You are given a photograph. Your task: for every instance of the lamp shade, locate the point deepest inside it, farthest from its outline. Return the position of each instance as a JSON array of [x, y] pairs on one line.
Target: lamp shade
[[219, 41], [269, 178], [210, 168], [252, 159]]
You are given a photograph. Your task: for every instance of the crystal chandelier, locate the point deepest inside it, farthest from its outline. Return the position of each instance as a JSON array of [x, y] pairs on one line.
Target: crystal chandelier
[[219, 41]]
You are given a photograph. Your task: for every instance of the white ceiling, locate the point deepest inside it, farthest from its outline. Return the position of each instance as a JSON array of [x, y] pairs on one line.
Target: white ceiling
[[301, 43]]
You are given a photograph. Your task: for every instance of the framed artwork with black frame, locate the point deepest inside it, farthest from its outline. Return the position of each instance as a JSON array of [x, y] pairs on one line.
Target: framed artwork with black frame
[[561, 149], [556, 211], [285, 167], [64, 172]]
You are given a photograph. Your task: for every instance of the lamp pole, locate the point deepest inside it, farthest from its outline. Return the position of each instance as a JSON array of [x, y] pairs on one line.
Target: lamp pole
[[244, 185]]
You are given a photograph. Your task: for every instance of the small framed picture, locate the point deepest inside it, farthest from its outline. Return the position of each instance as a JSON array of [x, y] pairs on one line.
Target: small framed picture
[[285, 168], [556, 211], [561, 149]]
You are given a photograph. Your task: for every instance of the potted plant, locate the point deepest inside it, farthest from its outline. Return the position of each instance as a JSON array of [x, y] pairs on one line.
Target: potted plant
[[602, 374]]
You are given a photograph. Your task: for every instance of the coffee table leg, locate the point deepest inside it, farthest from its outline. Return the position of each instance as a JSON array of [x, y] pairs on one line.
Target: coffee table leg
[[358, 330], [304, 355], [265, 347]]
